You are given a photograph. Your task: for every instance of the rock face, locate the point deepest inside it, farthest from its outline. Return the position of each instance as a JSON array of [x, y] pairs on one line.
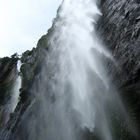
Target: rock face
[[119, 28], [18, 126], [8, 75]]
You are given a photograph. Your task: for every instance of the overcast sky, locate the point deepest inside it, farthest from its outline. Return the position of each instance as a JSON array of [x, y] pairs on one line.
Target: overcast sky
[[23, 22]]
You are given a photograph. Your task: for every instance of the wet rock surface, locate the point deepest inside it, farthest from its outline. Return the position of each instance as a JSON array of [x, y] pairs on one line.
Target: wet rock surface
[[8, 75], [19, 124], [119, 28]]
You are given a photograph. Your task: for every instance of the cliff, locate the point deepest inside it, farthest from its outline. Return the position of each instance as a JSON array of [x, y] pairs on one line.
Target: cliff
[[8, 75], [119, 28]]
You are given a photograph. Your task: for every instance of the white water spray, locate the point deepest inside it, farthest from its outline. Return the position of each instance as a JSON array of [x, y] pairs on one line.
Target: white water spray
[[76, 44]]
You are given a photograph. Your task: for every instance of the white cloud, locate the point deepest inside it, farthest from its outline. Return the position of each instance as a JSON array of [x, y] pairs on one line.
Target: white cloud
[[22, 23]]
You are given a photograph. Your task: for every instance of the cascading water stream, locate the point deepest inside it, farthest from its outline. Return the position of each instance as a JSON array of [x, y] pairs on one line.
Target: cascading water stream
[[16, 91], [76, 41]]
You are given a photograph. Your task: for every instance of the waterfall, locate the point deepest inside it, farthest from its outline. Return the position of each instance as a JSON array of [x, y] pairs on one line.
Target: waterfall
[[16, 89], [14, 97], [76, 58], [73, 90]]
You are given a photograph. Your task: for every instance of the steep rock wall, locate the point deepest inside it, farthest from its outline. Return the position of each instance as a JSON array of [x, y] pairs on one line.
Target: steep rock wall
[[119, 28], [8, 75]]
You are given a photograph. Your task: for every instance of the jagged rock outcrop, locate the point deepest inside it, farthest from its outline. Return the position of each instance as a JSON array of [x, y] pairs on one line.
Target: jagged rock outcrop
[[16, 128], [119, 28]]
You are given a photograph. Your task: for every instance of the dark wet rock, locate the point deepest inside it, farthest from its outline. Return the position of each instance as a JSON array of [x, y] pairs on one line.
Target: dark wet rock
[[16, 128], [119, 28], [31, 66], [8, 75]]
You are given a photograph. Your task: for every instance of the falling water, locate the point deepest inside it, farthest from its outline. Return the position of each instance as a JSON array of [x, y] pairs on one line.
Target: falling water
[[75, 45], [16, 89]]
